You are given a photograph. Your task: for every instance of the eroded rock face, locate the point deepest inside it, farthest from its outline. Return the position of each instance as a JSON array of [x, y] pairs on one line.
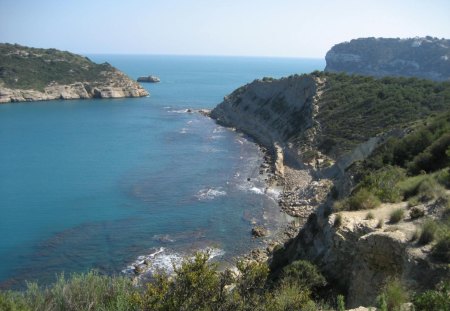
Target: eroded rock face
[[359, 256], [272, 105], [427, 57]]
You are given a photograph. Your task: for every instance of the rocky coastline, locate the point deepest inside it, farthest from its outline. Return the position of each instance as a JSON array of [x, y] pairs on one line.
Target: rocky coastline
[[118, 85]]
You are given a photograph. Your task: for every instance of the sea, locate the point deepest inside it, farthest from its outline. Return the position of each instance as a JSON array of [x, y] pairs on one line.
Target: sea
[[97, 184]]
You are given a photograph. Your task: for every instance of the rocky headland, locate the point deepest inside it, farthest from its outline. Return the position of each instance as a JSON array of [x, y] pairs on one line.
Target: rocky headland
[[427, 58], [31, 74], [316, 137]]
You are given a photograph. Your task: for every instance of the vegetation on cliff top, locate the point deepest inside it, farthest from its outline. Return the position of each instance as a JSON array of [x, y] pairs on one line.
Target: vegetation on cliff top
[[196, 285], [33, 68], [353, 109]]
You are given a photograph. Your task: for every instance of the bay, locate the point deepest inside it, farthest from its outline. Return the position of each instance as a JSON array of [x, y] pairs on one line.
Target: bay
[[93, 184]]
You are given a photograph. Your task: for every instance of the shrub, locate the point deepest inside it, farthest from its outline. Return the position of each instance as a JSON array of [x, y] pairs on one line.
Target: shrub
[[416, 212], [441, 251], [289, 297], [338, 220], [396, 215], [428, 233], [370, 216], [382, 183], [340, 303], [303, 273], [393, 295], [433, 157], [250, 287], [363, 199], [89, 291], [429, 189], [437, 299], [380, 223], [10, 301], [413, 201]]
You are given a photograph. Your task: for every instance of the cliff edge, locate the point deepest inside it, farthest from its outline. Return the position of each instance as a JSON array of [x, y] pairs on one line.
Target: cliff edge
[[31, 74], [427, 58]]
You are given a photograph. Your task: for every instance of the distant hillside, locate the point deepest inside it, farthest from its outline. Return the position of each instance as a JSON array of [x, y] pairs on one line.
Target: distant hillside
[[427, 57], [28, 74]]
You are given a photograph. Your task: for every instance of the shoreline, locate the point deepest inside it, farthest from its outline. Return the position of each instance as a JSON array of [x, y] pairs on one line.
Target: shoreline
[[299, 196], [295, 193]]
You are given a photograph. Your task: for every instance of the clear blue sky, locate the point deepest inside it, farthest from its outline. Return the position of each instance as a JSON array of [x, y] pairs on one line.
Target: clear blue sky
[[293, 28]]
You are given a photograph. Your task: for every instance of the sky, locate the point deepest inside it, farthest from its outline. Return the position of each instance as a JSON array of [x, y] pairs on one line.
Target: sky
[[275, 28]]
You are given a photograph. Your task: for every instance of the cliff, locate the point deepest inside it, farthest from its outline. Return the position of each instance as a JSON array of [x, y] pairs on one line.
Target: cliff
[[325, 124], [30, 74], [427, 58]]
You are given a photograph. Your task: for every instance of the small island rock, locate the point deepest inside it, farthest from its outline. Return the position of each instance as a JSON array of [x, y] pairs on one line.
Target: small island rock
[[151, 79]]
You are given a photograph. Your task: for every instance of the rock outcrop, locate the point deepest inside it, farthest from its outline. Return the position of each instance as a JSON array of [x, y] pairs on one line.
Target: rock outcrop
[[150, 79], [360, 254], [29, 74], [427, 57]]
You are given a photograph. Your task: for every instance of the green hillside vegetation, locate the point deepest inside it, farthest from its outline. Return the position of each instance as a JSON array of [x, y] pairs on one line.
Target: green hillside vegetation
[[32, 68], [415, 168], [196, 285], [355, 108]]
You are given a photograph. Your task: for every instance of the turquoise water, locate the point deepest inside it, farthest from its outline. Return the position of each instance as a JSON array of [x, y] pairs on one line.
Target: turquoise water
[[96, 183]]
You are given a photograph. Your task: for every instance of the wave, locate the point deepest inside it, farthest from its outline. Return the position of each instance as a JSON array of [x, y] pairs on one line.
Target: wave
[[179, 111], [257, 190], [218, 130], [210, 193]]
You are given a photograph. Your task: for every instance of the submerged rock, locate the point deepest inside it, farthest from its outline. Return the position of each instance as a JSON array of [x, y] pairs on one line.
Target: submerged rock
[[259, 231]]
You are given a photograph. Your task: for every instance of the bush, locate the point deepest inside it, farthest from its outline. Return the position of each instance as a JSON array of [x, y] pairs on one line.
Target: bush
[[340, 303], [10, 301], [396, 215], [289, 297], [380, 223], [428, 232], [363, 199], [303, 273], [393, 295], [338, 220], [370, 216], [429, 189], [437, 299], [382, 183], [433, 157], [441, 251]]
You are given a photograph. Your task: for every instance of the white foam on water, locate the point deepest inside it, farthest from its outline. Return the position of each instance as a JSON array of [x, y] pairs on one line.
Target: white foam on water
[[183, 130], [179, 111], [218, 130], [210, 193], [273, 193], [257, 190]]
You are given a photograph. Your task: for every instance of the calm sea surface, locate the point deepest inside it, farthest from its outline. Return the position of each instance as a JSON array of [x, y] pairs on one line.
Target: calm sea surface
[[96, 183]]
